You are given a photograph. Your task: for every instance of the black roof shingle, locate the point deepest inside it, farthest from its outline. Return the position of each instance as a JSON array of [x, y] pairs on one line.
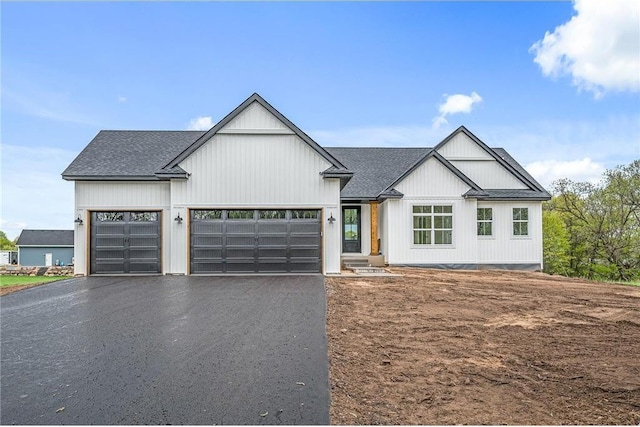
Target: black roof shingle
[[45, 238]]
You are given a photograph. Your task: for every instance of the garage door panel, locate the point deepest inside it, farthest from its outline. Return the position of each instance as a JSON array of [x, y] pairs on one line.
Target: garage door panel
[[200, 240], [272, 253], [312, 252], [244, 240], [125, 242], [272, 240], [214, 227], [267, 227], [250, 241], [241, 227]]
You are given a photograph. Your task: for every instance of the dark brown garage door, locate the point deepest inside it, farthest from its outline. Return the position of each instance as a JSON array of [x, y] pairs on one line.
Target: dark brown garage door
[[125, 242], [255, 241]]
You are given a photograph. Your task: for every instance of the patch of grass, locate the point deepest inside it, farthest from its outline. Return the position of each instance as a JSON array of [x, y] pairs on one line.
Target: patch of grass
[[8, 281], [632, 283]]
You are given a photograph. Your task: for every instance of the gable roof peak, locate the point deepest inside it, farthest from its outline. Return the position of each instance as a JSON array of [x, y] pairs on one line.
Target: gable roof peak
[[255, 97]]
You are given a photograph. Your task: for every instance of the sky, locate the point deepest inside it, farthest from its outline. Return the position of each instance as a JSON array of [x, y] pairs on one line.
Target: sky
[[557, 84]]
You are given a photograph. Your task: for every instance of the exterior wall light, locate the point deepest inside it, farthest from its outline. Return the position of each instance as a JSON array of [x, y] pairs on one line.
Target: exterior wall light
[[78, 220], [331, 219], [178, 219]]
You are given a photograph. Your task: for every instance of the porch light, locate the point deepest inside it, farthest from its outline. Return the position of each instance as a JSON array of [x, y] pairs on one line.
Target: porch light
[[331, 219], [178, 219], [78, 220]]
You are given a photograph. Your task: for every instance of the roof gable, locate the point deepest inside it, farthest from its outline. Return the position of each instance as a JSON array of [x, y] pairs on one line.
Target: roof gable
[[455, 141], [435, 155], [45, 238], [232, 120]]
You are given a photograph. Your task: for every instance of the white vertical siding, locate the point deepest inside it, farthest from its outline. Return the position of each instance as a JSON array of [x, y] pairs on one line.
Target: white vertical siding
[[503, 247], [488, 174], [256, 170], [463, 147], [401, 248], [255, 116], [119, 195], [432, 179]]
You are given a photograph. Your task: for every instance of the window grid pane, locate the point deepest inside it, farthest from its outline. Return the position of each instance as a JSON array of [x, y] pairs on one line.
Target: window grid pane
[[432, 225]]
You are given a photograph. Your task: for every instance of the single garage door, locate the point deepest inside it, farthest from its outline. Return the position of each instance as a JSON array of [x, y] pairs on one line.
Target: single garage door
[[255, 241], [125, 242]]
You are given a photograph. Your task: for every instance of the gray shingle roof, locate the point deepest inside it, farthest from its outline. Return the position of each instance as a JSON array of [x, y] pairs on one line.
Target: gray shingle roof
[[374, 169], [45, 238], [129, 154]]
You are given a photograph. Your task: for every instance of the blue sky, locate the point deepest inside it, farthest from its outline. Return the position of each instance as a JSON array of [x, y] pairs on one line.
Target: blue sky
[[358, 73]]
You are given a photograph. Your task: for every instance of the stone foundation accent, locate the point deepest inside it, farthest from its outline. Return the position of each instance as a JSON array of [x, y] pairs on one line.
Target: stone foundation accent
[[17, 270]]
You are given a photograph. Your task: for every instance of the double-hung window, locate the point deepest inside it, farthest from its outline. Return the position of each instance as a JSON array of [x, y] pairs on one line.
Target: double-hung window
[[432, 225], [520, 221], [485, 222]]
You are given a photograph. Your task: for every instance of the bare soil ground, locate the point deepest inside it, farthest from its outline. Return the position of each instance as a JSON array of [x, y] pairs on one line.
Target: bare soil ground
[[5, 290], [483, 347]]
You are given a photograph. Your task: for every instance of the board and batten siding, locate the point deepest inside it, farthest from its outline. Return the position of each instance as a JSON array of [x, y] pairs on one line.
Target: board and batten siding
[[121, 196], [433, 184], [488, 174], [257, 167], [463, 147], [430, 184], [505, 248]]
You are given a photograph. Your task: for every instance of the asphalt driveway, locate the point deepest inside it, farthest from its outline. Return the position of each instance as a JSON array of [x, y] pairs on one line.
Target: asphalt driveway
[[166, 350]]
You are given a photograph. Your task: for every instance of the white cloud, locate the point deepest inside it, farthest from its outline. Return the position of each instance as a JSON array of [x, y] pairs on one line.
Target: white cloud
[[200, 123], [599, 47], [547, 171], [455, 104], [34, 195], [122, 98]]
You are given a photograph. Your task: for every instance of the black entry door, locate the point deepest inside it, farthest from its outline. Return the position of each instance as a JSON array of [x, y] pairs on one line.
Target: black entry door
[[351, 230]]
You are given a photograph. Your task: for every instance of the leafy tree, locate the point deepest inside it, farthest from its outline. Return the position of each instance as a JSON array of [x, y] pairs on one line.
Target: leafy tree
[[603, 222], [5, 243], [555, 242]]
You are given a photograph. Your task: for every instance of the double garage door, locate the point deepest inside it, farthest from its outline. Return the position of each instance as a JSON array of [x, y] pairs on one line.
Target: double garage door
[[221, 241], [255, 241]]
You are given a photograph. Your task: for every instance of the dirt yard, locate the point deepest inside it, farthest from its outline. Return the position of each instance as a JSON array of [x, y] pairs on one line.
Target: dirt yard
[[483, 347]]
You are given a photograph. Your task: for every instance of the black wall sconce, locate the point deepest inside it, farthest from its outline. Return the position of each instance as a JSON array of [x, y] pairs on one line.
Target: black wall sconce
[[78, 220], [178, 219], [331, 219]]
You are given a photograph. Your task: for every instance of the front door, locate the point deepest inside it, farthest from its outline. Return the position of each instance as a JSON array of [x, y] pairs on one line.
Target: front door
[[351, 235]]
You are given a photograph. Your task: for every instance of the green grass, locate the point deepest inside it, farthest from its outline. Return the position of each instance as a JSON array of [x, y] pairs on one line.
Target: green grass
[[636, 283], [6, 281]]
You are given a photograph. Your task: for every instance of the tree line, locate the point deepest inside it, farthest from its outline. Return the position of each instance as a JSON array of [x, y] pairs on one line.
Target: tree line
[[593, 230]]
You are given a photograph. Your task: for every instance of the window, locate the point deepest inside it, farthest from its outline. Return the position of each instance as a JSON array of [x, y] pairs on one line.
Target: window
[[110, 216], [272, 214], [520, 221], [209, 214], [432, 225], [485, 222], [143, 216], [306, 214], [243, 214]]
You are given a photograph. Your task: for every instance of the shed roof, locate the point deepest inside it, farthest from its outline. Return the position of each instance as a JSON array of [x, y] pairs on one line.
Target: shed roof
[[45, 238]]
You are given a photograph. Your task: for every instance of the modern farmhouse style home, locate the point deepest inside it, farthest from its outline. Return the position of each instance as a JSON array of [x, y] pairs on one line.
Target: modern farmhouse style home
[[255, 194]]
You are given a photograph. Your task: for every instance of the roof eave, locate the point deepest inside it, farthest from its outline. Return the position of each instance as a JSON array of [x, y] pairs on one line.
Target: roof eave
[[110, 178]]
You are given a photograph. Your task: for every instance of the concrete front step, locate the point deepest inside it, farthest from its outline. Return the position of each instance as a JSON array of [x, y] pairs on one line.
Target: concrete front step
[[360, 270]]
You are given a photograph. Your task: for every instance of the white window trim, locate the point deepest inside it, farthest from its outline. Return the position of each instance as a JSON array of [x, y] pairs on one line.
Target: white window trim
[[512, 221], [491, 236], [432, 246]]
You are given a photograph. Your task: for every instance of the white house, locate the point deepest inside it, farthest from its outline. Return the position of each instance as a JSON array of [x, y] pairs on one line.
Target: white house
[[256, 194]]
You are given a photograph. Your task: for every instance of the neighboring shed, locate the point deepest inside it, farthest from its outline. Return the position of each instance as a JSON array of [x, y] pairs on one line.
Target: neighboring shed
[[45, 247]]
